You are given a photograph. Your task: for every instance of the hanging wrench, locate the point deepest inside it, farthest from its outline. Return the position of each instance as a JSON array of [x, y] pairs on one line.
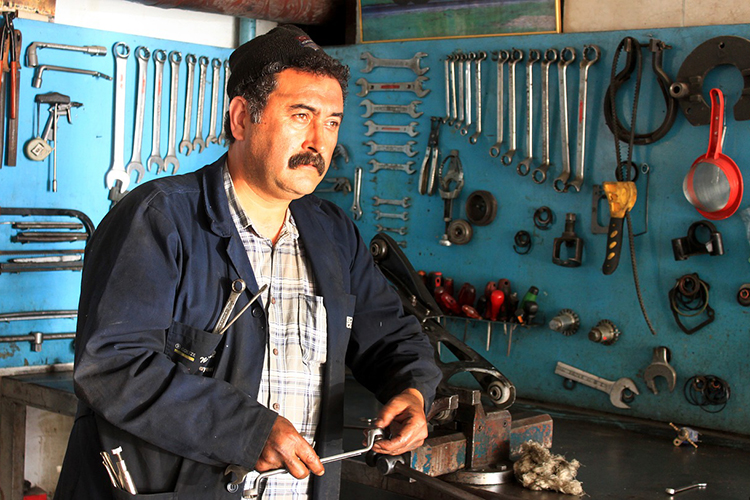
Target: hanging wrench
[[143, 55], [481, 56], [198, 142], [117, 170], [410, 109], [216, 65], [190, 60], [583, 83], [539, 175], [562, 71], [524, 166], [399, 230], [460, 58], [373, 127], [454, 113], [502, 58], [391, 148], [357, 203], [412, 63], [415, 86], [447, 90], [175, 58], [387, 215], [225, 107], [515, 57], [467, 93], [155, 159], [404, 202], [614, 389], [404, 167]]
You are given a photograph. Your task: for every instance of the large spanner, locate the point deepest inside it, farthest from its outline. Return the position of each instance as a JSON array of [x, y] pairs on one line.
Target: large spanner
[[614, 389], [404, 167], [225, 107], [586, 63], [415, 86], [198, 142], [481, 56], [185, 143], [357, 202], [539, 175], [215, 77], [562, 77], [160, 56], [660, 367], [515, 57], [502, 58], [373, 127], [373, 62], [117, 170], [391, 148], [175, 58], [524, 166], [468, 58], [410, 109], [136, 163]]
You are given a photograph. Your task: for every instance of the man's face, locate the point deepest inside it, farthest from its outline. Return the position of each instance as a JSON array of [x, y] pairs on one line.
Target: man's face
[[287, 154]]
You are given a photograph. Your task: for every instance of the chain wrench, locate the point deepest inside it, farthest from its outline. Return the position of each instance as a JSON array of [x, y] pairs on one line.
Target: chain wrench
[[373, 127], [481, 56], [614, 389], [398, 230], [562, 72], [175, 58], [411, 63], [467, 93], [225, 106], [404, 202], [410, 109], [388, 215], [460, 58], [357, 203], [391, 148], [515, 57], [190, 60], [524, 166], [539, 175], [215, 77], [404, 167], [454, 113], [160, 56], [583, 84], [117, 170], [502, 58], [143, 55], [198, 142], [415, 86]]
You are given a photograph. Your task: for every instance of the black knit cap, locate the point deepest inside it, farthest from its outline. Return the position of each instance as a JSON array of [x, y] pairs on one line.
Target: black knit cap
[[284, 44]]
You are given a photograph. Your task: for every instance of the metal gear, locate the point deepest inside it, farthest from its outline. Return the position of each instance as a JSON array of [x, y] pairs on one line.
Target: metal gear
[[566, 322]]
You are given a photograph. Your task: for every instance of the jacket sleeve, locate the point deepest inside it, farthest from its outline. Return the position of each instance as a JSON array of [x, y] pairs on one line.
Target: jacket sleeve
[[123, 372]]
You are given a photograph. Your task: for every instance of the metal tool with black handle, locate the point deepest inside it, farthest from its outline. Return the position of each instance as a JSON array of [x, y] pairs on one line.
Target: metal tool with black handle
[[621, 197]]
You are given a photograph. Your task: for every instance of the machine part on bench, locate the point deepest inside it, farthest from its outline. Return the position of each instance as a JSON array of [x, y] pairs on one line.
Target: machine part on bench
[[524, 166], [685, 435], [586, 63], [597, 195], [409, 109], [522, 242], [617, 390], [562, 76], [566, 321], [451, 182], [175, 58], [402, 167], [185, 142], [515, 57], [690, 245], [357, 202], [373, 127], [481, 208], [117, 170], [373, 62], [543, 218], [428, 176], [468, 58], [481, 56], [660, 367], [459, 232], [502, 57], [39, 71], [415, 86], [142, 54], [160, 57], [499, 474], [539, 175], [31, 57], [570, 239], [404, 202], [605, 332], [391, 148], [688, 86], [743, 295], [689, 298]]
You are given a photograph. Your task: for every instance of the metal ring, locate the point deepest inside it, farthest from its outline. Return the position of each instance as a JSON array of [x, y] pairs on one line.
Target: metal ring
[[521, 241], [543, 218]]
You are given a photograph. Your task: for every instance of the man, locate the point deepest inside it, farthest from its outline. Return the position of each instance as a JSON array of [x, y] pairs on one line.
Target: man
[[185, 402]]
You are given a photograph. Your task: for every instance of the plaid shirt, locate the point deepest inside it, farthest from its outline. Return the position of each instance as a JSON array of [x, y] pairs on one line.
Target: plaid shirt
[[297, 334]]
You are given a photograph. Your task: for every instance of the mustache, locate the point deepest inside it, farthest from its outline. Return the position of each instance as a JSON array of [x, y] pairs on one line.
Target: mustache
[[308, 158]]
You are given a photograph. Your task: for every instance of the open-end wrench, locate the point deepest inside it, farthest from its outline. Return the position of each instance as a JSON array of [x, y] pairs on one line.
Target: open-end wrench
[[185, 143], [481, 56], [117, 170], [402, 202], [614, 389], [391, 148], [357, 203], [415, 86], [373, 127], [567, 56], [502, 58], [160, 56], [539, 175], [215, 78], [467, 93], [238, 287], [225, 107], [398, 230], [388, 215], [198, 142], [447, 90], [583, 83], [660, 367], [460, 58], [175, 58], [412, 63], [136, 163], [410, 109], [515, 57], [524, 166], [454, 113], [404, 167]]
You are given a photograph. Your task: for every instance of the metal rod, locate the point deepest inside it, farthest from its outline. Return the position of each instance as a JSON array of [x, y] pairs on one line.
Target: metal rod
[[434, 483], [32, 315]]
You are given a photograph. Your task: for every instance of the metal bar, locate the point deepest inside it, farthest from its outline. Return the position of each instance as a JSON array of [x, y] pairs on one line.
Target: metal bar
[[31, 315], [41, 252], [48, 237], [31, 337], [21, 267], [46, 225]]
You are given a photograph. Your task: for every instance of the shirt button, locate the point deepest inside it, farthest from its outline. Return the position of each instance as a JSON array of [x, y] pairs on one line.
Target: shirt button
[[273, 300], [276, 406], [257, 311], [275, 352]]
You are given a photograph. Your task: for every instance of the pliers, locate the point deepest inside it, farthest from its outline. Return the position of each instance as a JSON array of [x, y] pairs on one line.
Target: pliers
[[427, 179]]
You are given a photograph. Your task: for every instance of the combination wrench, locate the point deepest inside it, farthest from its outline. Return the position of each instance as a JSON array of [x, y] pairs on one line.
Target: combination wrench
[[198, 142], [515, 57], [615, 389], [447, 90], [539, 175], [175, 58], [460, 58], [225, 107], [454, 113], [136, 163], [481, 56], [185, 143], [562, 72], [357, 202], [524, 166], [502, 58], [583, 83], [215, 77], [467, 93], [160, 56], [238, 287], [403, 167], [117, 170]]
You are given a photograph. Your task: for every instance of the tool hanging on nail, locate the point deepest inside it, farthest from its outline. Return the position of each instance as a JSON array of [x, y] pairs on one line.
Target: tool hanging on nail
[[10, 48], [428, 178], [621, 197]]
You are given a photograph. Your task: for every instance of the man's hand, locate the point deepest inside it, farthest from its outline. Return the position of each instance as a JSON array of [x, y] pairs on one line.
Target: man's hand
[[404, 413], [286, 448]]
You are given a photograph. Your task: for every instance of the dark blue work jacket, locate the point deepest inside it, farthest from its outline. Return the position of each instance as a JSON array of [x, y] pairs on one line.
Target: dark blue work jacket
[[182, 401]]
